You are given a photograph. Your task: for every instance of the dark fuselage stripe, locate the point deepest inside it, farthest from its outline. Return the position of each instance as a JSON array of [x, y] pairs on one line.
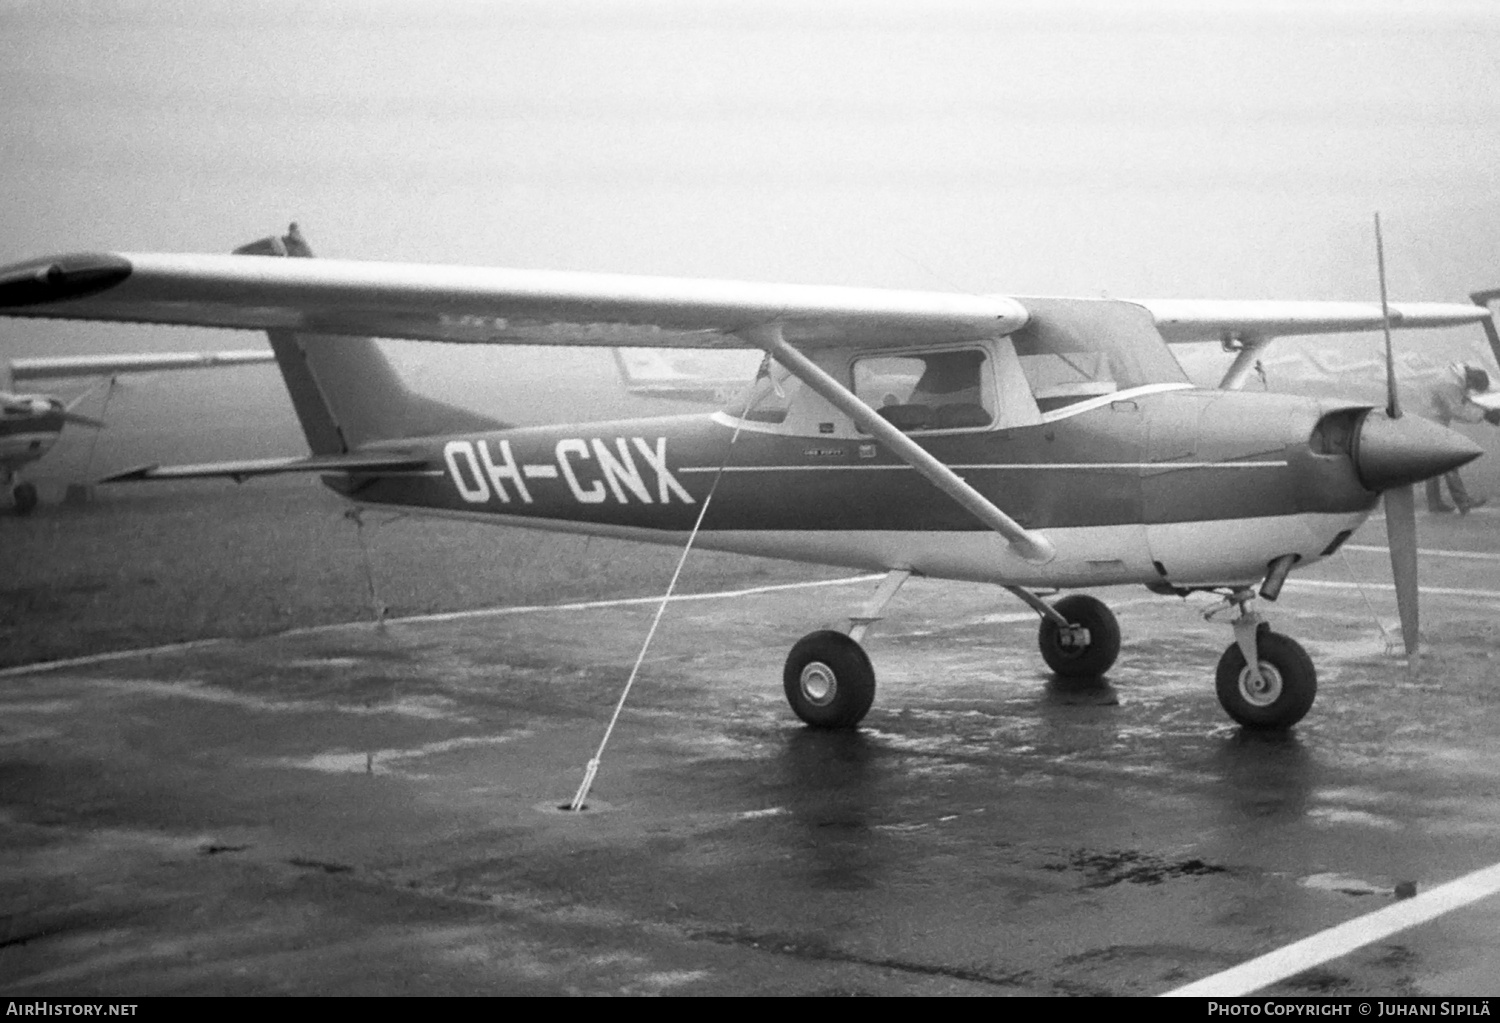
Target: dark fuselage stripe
[[996, 466]]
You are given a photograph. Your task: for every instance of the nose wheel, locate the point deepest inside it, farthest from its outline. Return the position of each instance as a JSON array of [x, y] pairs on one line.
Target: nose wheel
[[1276, 696], [1265, 680]]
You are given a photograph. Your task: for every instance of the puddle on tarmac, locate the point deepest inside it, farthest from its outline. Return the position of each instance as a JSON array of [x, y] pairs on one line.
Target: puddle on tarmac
[[325, 662], [1334, 815], [429, 708], [1344, 884], [384, 761]]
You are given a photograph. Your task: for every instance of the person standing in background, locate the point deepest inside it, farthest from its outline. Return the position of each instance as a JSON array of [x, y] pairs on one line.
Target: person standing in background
[[1452, 401]]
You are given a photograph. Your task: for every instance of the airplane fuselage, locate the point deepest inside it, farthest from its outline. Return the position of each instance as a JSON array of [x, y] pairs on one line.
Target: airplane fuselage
[[1172, 487], [29, 426]]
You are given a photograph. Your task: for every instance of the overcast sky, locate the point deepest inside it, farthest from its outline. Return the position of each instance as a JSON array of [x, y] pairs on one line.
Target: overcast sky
[[1154, 148], [1148, 149]]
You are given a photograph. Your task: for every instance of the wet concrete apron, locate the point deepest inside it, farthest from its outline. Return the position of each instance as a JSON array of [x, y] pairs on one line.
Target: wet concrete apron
[[362, 811]]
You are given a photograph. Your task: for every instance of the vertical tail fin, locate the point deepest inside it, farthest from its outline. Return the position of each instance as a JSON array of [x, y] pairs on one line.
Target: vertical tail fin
[[344, 389]]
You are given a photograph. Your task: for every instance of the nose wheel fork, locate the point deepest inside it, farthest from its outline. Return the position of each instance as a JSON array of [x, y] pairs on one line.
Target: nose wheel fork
[[1265, 681]]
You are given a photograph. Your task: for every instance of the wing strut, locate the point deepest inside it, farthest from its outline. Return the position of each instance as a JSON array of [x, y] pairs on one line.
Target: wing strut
[[1483, 300], [1032, 546], [1251, 347]]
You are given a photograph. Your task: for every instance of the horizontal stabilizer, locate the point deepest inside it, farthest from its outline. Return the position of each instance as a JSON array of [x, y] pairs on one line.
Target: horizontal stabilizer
[[242, 470], [80, 419], [57, 367]]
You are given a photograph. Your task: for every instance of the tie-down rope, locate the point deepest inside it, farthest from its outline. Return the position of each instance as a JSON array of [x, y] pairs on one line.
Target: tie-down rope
[[1390, 644], [377, 606], [593, 765]]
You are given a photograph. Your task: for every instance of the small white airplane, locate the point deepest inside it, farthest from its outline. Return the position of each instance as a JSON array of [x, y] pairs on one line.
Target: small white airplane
[[1034, 443], [30, 424]]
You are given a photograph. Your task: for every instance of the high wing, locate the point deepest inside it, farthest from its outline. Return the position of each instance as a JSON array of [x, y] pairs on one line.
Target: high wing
[[486, 305], [481, 305], [1183, 321], [1249, 326], [58, 367]]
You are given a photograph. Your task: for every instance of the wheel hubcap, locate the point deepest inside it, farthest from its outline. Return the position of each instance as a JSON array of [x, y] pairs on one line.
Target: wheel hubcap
[[1075, 639], [1263, 691], [819, 684]]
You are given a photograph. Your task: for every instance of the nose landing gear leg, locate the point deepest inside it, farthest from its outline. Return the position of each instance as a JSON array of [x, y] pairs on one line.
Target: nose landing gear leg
[[1264, 680]]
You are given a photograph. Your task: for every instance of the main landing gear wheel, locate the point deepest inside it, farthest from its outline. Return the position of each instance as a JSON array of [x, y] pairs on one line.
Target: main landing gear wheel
[[1091, 649], [26, 498], [828, 680], [1285, 691]]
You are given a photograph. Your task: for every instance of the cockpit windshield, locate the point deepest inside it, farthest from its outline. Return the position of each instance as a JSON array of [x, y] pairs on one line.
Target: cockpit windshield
[[1075, 349]]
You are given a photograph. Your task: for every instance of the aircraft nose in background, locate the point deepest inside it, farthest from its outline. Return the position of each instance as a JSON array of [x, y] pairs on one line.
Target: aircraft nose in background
[[1395, 452]]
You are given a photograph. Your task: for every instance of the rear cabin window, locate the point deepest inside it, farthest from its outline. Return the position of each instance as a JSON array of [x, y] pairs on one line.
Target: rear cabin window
[[929, 391], [768, 398]]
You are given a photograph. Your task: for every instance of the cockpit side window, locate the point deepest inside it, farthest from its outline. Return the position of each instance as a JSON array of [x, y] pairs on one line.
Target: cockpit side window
[[928, 390]]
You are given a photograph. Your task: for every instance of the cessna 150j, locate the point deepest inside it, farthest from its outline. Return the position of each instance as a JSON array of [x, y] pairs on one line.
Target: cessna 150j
[[31, 423], [1036, 443]]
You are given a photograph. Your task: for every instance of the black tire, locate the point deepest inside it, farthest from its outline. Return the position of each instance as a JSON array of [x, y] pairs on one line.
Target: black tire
[[26, 498], [828, 680], [1092, 659], [1289, 683]]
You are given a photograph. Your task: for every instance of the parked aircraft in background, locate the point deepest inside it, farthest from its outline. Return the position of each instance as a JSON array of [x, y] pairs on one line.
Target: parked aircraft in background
[[1035, 443], [709, 378], [30, 424]]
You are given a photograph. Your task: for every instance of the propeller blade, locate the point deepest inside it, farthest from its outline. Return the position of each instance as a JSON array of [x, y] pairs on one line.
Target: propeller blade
[[1401, 533], [1392, 400]]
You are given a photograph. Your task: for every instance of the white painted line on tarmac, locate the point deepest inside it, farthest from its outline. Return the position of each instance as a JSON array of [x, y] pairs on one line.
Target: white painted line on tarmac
[[114, 655], [1440, 591], [446, 616], [1303, 955], [586, 605], [1424, 552]]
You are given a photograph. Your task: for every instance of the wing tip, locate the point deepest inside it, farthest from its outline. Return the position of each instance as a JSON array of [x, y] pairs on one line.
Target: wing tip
[[59, 278]]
